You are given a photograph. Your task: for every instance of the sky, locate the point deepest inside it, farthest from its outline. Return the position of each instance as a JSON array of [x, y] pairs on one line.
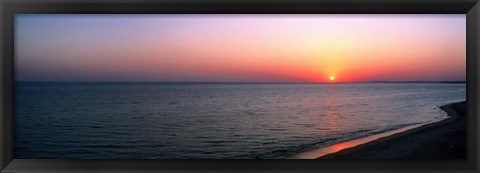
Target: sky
[[240, 47]]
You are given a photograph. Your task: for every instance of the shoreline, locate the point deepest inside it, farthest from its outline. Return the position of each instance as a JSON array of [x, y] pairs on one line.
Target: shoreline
[[377, 146]]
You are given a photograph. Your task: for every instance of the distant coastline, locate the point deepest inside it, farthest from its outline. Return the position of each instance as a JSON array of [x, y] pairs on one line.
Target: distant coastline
[[453, 82]]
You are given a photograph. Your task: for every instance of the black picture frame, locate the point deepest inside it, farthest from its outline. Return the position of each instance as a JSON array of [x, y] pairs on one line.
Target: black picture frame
[[9, 8]]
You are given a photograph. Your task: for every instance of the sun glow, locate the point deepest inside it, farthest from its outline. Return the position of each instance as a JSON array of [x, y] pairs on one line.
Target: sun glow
[[287, 48]]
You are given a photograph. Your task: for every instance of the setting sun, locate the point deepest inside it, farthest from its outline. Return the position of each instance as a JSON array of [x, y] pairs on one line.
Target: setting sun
[[287, 48]]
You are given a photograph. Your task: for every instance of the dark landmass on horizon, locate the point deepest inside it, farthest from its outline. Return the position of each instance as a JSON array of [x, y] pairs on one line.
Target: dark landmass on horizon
[[415, 82]]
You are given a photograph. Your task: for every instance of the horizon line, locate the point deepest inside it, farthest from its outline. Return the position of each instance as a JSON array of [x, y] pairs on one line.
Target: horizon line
[[328, 82]]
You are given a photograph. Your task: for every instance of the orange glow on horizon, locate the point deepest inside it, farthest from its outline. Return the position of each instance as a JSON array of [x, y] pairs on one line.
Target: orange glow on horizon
[[225, 48]]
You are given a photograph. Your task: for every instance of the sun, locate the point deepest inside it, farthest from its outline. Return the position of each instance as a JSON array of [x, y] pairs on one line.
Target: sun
[[332, 78]]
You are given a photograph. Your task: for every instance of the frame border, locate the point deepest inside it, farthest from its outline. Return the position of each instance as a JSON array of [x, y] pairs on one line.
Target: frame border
[[9, 8]]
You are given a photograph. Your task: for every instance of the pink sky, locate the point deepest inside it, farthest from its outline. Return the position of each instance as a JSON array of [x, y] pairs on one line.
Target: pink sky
[[240, 48]]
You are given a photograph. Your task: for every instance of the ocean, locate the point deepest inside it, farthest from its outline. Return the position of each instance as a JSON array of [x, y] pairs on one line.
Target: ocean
[[115, 120]]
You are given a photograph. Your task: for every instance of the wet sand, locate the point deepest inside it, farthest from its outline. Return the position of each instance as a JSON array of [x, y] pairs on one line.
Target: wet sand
[[445, 139]]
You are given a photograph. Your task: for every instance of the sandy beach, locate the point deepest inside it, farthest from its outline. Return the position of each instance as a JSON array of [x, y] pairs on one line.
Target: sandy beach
[[445, 139]]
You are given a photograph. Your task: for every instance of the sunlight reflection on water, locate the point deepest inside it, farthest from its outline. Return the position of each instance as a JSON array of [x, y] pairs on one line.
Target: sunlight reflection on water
[[166, 121]]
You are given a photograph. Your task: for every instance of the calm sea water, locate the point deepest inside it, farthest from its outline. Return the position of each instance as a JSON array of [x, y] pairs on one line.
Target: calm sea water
[[190, 121]]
